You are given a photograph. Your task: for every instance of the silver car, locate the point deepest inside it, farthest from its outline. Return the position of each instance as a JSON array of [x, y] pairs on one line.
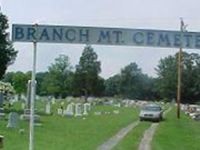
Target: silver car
[[151, 112]]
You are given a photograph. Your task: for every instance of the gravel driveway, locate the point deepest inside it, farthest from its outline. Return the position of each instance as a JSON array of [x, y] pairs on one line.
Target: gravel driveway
[[108, 145]]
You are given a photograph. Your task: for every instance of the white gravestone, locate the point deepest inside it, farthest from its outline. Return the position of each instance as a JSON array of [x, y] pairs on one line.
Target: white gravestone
[[23, 105], [26, 115], [116, 111], [117, 105], [48, 108], [78, 110], [89, 106], [53, 101], [85, 111], [97, 113], [86, 108], [60, 111], [13, 120], [70, 110], [2, 114]]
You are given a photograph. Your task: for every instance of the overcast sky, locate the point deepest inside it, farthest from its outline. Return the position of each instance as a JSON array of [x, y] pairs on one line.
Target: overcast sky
[[142, 14]]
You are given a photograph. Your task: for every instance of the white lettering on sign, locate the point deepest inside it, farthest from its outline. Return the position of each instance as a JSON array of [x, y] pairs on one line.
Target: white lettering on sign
[[105, 36]]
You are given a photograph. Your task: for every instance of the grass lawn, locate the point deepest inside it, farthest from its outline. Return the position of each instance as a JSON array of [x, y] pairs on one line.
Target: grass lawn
[[132, 140], [174, 134], [64, 133]]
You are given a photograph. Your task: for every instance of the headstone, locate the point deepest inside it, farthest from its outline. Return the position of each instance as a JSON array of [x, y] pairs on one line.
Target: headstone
[[69, 99], [37, 124], [26, 115], [37, 97], [85, 111], [53, 101], [107, 113], [97, 113], [117, 105], [62, 103], [90, 99], [116, 111], [86, 108], [16, 98], [49, 98], [48, 108], [89, 106], [78, 110], [13, 120], [23, 105], [59, 111], [126, 104], [70, 110], [2, 114]]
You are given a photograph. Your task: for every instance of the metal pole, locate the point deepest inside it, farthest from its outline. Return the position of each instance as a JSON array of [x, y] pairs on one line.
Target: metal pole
[[179, 72], [31, 142]]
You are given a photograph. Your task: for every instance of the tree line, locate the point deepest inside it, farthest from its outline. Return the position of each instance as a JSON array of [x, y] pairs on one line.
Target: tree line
[[62, 79]]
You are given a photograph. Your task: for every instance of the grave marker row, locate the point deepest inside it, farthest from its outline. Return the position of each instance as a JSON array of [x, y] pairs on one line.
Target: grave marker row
[[76, 110]]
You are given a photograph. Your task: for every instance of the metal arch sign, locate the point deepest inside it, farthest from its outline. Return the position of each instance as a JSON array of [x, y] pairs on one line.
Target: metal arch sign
[[105, 36]]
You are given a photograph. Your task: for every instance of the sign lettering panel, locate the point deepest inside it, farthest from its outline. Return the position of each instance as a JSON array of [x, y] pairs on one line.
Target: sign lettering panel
[[105, 36]]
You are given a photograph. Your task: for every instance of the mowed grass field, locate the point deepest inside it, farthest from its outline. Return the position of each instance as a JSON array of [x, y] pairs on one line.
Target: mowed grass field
[[87, 133], [65, 133], [177, 134]]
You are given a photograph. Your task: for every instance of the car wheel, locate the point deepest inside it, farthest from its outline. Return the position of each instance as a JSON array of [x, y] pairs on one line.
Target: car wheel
[[161, 118]]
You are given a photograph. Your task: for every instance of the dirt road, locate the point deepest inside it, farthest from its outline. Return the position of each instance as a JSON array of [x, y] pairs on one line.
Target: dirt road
[[108, 145]]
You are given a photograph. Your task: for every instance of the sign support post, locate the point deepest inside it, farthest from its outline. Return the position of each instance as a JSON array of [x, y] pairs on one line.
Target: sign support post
[[33, 84]]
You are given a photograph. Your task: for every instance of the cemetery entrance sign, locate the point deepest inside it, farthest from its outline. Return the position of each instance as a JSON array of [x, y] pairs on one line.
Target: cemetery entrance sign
[[102, 36], [105, 36]]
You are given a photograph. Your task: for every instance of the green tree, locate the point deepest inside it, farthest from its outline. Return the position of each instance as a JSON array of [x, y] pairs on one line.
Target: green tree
[[40, 77], [147, 88], [86, 77], [20, 81], [100, 87], [130, 84], [59, 77], [8, 77], [7, 52], [167, 77], [112, 86]]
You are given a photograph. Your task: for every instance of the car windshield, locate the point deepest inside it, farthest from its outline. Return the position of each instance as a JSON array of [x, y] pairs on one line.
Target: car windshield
[[152, 108]]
